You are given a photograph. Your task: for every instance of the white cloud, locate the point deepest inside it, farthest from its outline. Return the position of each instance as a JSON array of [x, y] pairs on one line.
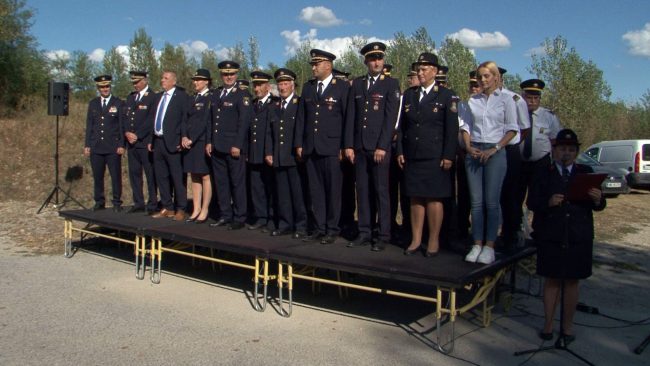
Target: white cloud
[[337, 46], [639, 41], [194, 49], [319, 16], [97, 55], [538, 51], [365, 21], [473, 39], [58, 54], [223, 53]]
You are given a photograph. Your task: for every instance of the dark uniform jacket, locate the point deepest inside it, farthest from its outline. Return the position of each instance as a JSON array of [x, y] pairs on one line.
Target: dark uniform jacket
[[138, 116], [320, 121], [229, 120], [280, 135], [104, 133], [175, 118], [198, 115], [372, 113], [549, 223], [428, 129], [260, 125]]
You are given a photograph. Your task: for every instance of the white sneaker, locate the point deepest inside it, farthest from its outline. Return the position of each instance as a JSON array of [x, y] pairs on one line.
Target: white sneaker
[[473, 254], [486, 256]]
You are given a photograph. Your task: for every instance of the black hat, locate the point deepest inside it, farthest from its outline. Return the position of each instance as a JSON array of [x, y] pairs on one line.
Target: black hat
[[566, 137], [320, 55], [243, 83], [412, 73], [532, 86], [341, 75], [427, 58], [283, 74], [387, 69], [228, 67], [260, 76], [502, 70], [442, 73], [472, 77], [374, 49], [137, 75], [103, 80], [202, 74], [414, 67]]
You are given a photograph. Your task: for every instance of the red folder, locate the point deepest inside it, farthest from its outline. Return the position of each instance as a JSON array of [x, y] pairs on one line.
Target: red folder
[[580, 184]]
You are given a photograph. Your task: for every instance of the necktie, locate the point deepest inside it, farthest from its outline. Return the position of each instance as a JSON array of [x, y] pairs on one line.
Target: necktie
[[320, 88], [224, 92], [103, 103], [565, 174], [137, 97], [371, 82], [159, 115], [284, 105], [424, 94], [528, 143]]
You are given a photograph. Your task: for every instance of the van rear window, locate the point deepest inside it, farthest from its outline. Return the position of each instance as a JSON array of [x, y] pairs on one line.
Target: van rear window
[[615, 154], [645, 152]]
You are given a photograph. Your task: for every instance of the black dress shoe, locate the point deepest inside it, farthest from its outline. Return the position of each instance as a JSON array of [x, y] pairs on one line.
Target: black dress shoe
[[235, 226], [408, 251], [98, 207], [220, 222], [429, 254], [359, 242], [199, 222], [568, 338], [315, 237], [190, 219], [328, 239], [280, 232], [135, 209], [545, 336], [255, 226], [378, 246], [117, 208], [299, 235]]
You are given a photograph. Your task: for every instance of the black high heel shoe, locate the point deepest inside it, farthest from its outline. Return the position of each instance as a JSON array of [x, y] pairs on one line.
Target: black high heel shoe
[[199, 222], [191, 219], [408, 251]]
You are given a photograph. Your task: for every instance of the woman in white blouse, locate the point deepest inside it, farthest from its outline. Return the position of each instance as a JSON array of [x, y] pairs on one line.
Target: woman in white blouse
[[489, 124]]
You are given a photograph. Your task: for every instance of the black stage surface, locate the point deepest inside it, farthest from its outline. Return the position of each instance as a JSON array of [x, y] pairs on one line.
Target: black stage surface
[[446, 269]]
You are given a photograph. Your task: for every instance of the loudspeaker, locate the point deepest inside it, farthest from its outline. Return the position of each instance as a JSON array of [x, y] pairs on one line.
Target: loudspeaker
[[57, 98]]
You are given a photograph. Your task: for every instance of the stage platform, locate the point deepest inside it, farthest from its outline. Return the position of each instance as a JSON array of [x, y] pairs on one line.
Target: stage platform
[[438, 280]]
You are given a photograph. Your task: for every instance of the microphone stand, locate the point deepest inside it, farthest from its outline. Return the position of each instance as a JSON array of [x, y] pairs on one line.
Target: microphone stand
[[560, 342]]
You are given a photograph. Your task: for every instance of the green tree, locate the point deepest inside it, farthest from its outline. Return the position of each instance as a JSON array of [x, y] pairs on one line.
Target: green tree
[[512, 82], [351, 61], [59, 66], [299, 63], [83, 72], [209, 61], [23, 69], [238, 55], [174, 59], [575, 88], [142, 56], [253, 53], [404, 50], [460, 61], [115, 65]]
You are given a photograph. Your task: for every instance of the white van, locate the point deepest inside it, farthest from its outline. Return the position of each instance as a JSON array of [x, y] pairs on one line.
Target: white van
[[632, 156]]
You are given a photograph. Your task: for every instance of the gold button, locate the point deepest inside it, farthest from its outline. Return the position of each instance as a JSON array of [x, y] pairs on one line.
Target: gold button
[[218, 110], [254, 140], [364, 126], [254, 133], [315, 129], [365, 110], [317, 105], [282, 128], [417, 138], [216, 130], [281, 135], [315, 122], [256, 119], [317, 113], [281, 142]]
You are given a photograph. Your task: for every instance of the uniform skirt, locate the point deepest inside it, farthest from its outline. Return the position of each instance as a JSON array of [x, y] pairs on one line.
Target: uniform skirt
[[425, 178], [574, 262], [195, 160]]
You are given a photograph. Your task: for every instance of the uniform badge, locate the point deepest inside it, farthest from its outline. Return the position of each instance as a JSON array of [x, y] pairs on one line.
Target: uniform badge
[[435, 109], [381, 77], [112, 109], [515, 97], [146, 93], [295, 101], [246, 101], [397, 94], [435, 88], [376, 107], [142, 107], [454, 107], [333, 81]]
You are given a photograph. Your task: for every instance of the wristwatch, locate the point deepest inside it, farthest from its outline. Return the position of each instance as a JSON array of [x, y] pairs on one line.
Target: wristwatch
[[497, 147]]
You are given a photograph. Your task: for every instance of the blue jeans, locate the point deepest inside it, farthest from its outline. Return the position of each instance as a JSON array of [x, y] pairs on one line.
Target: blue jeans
[[485, 181]]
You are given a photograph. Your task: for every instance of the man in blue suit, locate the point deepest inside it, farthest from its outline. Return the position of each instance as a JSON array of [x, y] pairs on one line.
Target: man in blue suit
[[165, 142]]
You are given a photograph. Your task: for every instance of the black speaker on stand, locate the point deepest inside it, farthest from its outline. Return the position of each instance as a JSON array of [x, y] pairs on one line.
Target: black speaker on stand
[[57, 105]]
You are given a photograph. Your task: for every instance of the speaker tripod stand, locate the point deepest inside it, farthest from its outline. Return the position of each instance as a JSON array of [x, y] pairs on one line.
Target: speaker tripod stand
[[54, 194]]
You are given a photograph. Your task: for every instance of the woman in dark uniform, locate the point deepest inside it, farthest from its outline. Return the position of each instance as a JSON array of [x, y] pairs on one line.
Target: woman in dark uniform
[[557, 221], [426, 147], [195, 160]]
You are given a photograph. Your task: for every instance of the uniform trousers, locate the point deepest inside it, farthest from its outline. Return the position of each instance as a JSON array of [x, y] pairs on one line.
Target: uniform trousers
[[140, 159], [99, 163], [372, 185], [168, 169], [291, 213], [260, 178], [230, 179], [325, 181]]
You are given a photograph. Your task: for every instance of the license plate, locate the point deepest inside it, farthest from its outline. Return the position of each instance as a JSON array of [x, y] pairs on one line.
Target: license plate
[[613, 185]]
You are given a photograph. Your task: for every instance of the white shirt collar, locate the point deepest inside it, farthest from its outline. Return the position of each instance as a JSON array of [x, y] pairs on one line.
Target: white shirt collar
[[170, 92], [266, 97], [288, 99], [428, 89], [204, 91], [325, 82]]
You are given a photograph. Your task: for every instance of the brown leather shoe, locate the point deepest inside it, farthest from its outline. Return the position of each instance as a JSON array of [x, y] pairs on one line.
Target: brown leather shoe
[[180, 215], [163, 213]]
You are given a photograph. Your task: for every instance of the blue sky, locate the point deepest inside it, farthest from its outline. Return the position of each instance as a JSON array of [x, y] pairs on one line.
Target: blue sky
[[614, 35]]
